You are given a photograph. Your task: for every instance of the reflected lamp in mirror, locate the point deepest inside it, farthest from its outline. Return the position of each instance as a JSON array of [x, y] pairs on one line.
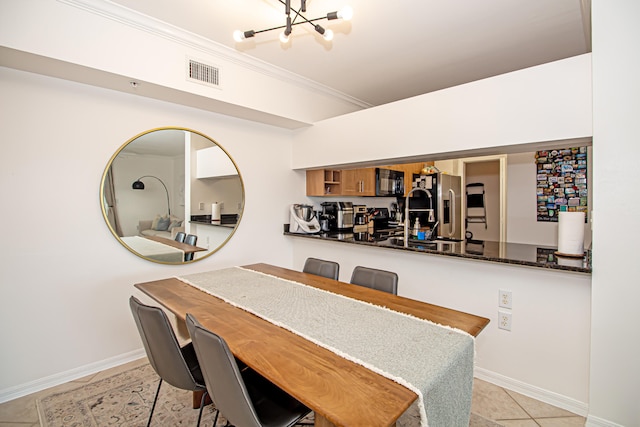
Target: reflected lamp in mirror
[[139, 185], [183, 173]]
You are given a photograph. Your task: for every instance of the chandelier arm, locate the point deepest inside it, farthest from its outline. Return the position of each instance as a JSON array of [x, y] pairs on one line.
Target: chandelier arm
[[286, 3], [292, 24]]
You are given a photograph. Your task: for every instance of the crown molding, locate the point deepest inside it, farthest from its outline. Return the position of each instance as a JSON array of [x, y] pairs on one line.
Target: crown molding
[[139, 21]]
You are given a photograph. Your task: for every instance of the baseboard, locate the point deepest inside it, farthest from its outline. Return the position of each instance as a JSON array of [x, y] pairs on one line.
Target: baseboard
[[546, 396], [599, 422], [63, 377]]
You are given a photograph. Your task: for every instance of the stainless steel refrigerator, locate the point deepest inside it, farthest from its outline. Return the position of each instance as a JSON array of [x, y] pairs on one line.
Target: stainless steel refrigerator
[[445, 200]]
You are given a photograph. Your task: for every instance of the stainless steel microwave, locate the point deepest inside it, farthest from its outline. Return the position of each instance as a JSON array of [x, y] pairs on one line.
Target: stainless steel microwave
[[389, 182]]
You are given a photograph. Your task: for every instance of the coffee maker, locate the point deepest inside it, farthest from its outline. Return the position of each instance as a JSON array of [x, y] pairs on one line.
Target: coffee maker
[[360, 219], [303, 220], [339, 215]]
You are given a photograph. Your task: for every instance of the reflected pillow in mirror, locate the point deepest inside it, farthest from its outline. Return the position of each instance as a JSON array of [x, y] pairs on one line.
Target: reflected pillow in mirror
[[163, 224], [154, 223], [174, 224]]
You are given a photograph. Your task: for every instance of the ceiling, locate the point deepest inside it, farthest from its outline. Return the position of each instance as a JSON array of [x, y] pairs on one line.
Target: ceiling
[[396, 49]]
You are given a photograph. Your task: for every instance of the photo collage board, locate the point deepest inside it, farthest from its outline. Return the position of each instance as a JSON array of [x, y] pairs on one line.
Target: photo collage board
[[561, 182]]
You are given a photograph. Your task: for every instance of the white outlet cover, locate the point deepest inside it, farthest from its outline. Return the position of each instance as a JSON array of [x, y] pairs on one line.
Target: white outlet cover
[[504, 320], [505, 299]]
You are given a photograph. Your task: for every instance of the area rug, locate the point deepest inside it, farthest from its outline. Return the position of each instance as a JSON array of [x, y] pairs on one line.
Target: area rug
[[125, 399], [122, 400]]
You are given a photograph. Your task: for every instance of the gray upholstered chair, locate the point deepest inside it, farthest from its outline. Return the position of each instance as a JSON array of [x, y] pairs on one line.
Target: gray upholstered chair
[[381, 280], [323, 268], [243, 396], [174, 364], [180, 236]]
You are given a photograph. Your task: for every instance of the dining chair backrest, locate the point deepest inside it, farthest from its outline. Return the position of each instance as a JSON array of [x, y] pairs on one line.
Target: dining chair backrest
[[191, 239], [222, 376], [381, 280], [229, 387], [162, 347], [320, 267], [180, 236]]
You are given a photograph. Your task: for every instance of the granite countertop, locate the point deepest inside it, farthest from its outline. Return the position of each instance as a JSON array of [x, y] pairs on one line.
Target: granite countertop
[[226, 220], [215, 224], [508, 253]]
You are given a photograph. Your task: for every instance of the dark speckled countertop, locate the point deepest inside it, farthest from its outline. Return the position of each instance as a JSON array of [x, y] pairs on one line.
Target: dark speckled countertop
[[228, 221], [508, 253]]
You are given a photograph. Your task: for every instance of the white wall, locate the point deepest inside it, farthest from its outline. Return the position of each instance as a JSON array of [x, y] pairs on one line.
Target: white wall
[[545, 103], [615, 349], [64, 279]]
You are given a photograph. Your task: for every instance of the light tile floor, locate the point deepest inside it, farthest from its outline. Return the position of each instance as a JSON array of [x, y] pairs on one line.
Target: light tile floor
[[491, 402]]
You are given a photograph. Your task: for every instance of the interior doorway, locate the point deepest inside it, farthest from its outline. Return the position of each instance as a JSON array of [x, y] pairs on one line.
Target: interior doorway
[[490, 171]]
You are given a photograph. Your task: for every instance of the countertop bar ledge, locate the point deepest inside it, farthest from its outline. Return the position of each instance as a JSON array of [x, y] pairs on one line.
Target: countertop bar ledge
[[538, 256]]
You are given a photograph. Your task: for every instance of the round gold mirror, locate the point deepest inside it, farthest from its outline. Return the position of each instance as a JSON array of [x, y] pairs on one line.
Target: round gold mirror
[[172, 195]]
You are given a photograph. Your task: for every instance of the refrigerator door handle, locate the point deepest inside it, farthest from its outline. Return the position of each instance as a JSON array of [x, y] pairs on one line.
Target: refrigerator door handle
[[452, 223]]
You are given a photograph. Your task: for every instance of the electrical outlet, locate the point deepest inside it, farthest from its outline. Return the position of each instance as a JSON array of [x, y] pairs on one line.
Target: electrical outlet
[[201, 206], [221, 205], [504, 320], [504, 299]]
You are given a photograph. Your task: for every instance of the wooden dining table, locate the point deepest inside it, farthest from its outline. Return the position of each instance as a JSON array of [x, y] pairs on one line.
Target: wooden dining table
[[186, 248], [339, 391]]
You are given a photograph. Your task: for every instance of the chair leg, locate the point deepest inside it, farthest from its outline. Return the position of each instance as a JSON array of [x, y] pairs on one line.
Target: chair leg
[[155, 399], [202, 404]]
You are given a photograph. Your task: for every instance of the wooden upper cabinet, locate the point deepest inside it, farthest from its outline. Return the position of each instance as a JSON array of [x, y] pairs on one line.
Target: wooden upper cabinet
[[324, 182], [355, 182], [359, 182]]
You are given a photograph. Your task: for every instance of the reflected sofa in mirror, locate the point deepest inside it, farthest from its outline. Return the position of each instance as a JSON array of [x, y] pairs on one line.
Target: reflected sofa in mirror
[[167, 187]]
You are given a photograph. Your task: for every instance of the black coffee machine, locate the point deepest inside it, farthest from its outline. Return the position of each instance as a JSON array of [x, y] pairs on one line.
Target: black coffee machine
[[360, 219], [339, 215]]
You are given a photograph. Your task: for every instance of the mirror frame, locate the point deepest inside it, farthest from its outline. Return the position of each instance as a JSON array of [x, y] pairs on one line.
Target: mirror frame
[[103, 206]]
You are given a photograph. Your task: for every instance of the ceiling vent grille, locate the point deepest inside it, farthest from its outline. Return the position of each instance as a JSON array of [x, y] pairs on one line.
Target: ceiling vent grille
[[203, 73]]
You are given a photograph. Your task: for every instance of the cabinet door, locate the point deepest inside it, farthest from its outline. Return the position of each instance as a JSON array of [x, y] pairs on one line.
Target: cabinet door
[[213, 162], [368, 179], [359, 182], [323, 182]]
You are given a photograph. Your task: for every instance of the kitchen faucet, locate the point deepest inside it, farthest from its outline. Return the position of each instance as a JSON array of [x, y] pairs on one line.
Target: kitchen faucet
[[407, 210]]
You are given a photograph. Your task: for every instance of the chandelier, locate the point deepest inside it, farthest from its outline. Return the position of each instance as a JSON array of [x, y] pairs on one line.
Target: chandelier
[[346, 13]]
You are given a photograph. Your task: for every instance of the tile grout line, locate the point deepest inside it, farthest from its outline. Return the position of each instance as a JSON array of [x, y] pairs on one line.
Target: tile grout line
[[521, 407]]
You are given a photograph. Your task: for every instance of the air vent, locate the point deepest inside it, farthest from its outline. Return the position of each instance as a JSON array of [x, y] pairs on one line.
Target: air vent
[[203, 73]]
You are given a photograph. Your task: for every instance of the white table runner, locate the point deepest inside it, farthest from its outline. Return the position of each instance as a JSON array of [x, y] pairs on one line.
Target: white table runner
[[434, 361], [153, 249]]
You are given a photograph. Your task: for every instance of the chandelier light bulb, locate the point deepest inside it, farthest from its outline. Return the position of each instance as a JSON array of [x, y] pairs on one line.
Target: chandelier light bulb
[[346, 13], [242, 35], [328, 35], [284, 38]]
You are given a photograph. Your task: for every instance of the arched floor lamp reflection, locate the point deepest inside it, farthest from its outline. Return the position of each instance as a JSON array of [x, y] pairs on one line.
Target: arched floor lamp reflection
[[139, 185]]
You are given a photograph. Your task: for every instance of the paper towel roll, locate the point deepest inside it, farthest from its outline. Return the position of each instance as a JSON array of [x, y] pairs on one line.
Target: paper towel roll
[[571, 233], [215, 211]]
